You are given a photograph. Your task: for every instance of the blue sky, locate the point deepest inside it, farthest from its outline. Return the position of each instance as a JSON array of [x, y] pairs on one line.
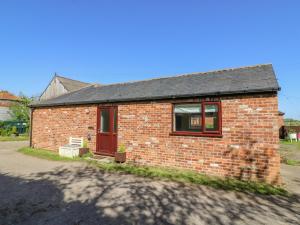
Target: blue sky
[[115, 41]]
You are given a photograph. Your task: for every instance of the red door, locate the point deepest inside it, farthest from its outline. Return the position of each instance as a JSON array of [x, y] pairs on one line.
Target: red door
[[107, 130]]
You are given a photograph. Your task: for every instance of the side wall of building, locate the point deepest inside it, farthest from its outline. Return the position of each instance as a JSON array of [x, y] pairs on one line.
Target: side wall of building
[[247, 150]]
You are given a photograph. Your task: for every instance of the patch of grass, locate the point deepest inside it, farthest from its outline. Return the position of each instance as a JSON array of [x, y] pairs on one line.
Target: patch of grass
[[193, 177], [46, 154], [287, 142], [177, 175], [292, 162], [11, 138]]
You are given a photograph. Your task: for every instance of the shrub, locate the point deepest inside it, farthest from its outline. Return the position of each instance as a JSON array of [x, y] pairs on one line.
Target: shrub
[[14, 130], [122, 148], [5, 132]]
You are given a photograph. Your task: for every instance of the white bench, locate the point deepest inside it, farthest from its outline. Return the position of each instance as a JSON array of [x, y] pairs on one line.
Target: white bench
[[293, 136], [71, 150]]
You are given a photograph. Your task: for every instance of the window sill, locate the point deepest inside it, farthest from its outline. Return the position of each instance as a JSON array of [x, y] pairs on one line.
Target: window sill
[[195, 134]]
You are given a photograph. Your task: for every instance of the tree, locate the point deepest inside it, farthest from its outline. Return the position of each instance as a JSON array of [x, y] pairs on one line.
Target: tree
[[20, 110]]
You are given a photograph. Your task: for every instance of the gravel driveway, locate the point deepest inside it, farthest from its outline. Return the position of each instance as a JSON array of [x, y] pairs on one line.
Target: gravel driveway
[[35, 191]]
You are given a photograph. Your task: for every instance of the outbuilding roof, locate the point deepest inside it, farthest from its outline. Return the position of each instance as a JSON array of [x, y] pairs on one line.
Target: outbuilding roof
[[70, 84], [250, 79], [5, 95]]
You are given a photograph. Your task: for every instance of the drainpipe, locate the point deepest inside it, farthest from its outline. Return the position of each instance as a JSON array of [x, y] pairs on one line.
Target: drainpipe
[[31, 113]]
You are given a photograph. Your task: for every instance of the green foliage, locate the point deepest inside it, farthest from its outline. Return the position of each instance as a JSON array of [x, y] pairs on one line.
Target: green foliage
[[20, 110], [88, 155], [122, 148], [291, 122], [14, 130], [193, 177], [5, 132], [292, 162]]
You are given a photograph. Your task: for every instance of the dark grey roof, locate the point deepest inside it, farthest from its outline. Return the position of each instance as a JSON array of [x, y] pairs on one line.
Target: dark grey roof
[[252, 79], [70, 84]]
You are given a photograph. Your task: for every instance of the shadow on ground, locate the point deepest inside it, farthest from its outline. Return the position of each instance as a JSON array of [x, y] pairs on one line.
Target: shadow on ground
[[85, 195]]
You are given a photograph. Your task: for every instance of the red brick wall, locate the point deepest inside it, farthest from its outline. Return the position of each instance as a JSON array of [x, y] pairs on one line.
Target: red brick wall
[[247, 150], [280, 120], [52, 127]]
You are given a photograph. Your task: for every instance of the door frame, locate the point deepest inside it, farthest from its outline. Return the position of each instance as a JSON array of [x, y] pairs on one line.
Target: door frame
[[99, 107]]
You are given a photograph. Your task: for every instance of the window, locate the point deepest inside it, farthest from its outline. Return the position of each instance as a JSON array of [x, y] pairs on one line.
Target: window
[[211, 117], [197, 119], [105, 118], [188, 117]]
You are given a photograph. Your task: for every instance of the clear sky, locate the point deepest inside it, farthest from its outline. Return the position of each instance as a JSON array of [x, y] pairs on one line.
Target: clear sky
[[114, 41]]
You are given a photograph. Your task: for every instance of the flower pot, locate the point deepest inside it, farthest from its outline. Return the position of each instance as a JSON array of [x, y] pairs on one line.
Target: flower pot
[[83, 151], [120, 157]]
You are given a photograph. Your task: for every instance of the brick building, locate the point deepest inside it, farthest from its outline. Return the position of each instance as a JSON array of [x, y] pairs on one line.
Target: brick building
[[6, 100], [222, 123]]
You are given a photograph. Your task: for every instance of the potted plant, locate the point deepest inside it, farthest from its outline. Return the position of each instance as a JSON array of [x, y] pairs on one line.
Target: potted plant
[[84, 150], [120, 155]]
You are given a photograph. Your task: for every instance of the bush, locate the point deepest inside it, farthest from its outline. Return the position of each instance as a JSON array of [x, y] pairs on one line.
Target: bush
[[5, 132], [14, 130]]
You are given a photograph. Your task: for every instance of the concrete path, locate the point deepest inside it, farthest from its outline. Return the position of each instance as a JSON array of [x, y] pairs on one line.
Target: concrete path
[[35, 191], [291, 178]]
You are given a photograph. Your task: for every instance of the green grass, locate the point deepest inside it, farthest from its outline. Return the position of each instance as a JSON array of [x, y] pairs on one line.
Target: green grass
[[290, 153], [10, 138], [169, 174], [193, 177], [50, 155], [288, 142], [292, 162]]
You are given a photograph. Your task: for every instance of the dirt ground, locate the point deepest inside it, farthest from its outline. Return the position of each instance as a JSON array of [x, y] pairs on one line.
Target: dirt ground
[[290, 150], [35, 191]]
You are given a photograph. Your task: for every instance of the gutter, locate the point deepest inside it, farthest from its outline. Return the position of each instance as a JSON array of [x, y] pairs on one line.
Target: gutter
[[156, 98]]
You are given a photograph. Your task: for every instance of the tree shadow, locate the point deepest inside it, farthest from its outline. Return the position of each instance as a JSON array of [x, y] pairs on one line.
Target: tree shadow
[[253, 161], [86, 195]]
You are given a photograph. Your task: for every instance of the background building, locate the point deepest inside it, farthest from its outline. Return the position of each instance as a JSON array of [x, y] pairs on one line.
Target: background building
[[61, 85], [6, 100]]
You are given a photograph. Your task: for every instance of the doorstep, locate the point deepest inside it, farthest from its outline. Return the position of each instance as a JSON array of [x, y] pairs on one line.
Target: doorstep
[[103, 159]]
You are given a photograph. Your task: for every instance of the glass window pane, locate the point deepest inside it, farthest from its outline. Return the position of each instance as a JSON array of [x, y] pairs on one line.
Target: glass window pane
[[188, 108], [188, 117], [115, 121], [211, 117], [105, 120]]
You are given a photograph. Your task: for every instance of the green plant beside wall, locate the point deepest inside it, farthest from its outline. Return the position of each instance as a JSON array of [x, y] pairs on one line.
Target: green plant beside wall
[[120, 155], [122, 148], [85, 144]]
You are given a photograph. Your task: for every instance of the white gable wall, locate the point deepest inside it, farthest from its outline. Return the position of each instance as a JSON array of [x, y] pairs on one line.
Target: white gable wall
[[54, 89]]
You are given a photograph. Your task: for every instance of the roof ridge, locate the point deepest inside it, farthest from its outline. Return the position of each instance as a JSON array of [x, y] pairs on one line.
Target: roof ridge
[[56, 75], [187, 74], [241, 80]]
